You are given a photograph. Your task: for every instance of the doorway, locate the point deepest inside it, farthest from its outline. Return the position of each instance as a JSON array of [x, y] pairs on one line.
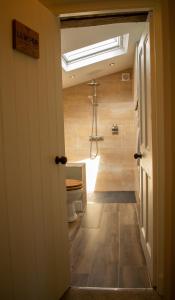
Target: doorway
[[33, 191], [106, 239]]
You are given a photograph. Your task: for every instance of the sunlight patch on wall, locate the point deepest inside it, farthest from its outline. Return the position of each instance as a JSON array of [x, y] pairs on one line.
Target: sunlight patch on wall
[[92, 166]]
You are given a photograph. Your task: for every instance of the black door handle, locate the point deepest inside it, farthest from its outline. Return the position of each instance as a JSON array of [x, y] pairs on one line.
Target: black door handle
[[61, 160], [137, 155]]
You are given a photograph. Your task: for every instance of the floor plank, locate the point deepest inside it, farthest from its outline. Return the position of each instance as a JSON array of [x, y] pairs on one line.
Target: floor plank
[[106, 249], [97, 294], [83, 251], [93, 215], [131, 253], [104, 271], [128, 214], [133, 277]]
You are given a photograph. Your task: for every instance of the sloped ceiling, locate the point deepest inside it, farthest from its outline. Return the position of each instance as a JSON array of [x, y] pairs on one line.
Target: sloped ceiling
[[74, 38]]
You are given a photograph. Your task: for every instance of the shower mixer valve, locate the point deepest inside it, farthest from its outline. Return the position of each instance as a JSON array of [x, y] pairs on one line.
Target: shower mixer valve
[[115, 129], [96, 138]]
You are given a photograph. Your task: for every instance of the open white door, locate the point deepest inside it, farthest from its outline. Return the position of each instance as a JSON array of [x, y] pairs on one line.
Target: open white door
[[146, 175], [34, 250]]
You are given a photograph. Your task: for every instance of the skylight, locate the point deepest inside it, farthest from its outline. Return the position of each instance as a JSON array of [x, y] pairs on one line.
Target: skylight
[[94, 53]]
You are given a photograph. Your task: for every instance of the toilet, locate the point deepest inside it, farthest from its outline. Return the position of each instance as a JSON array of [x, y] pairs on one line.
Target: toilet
[[74, 188]]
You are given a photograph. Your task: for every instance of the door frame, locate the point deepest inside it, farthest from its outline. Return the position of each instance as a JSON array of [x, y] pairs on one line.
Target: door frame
[[158, 115]]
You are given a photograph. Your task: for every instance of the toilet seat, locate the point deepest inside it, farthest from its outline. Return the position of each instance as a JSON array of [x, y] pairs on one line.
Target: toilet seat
[[73, 184]]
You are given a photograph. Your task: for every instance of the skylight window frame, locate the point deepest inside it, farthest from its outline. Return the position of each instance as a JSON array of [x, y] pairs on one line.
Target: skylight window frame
[[93, 49], [118, 49]]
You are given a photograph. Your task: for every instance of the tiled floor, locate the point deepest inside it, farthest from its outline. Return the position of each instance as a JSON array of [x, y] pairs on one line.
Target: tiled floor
[[105, 248]]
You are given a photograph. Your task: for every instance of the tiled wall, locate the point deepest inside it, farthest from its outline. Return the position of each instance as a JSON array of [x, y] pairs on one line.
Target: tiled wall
[[116, 169]]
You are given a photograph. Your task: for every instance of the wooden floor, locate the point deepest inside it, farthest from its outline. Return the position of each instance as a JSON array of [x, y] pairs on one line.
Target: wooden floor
[[105, 248], [97, 294]]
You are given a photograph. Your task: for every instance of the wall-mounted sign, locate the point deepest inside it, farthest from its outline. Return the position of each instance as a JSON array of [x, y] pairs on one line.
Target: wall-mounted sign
[[25, 39]]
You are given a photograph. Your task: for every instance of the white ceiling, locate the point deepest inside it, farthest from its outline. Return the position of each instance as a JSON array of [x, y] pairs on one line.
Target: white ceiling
[[74, 38]]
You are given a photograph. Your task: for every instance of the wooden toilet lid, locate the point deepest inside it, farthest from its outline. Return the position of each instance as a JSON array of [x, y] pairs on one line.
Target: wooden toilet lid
[[73, 184]]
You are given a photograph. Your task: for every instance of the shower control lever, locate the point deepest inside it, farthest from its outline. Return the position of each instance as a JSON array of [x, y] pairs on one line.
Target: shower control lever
[[61, 160], [137, 155]]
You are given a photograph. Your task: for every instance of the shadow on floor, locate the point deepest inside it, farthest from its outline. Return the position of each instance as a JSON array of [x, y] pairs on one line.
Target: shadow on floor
[[113, 197]]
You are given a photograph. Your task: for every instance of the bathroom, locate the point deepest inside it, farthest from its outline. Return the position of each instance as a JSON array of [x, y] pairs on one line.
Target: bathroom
[[101, 137]]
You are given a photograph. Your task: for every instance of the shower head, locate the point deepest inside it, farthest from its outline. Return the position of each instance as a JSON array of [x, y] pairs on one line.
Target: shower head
[[93, 83]]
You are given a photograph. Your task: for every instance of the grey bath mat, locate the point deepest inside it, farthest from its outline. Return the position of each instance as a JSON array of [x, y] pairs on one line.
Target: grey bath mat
[[113, 197]]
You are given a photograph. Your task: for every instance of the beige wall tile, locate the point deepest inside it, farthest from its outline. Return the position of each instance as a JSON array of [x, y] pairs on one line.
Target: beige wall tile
[[116, 170]]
